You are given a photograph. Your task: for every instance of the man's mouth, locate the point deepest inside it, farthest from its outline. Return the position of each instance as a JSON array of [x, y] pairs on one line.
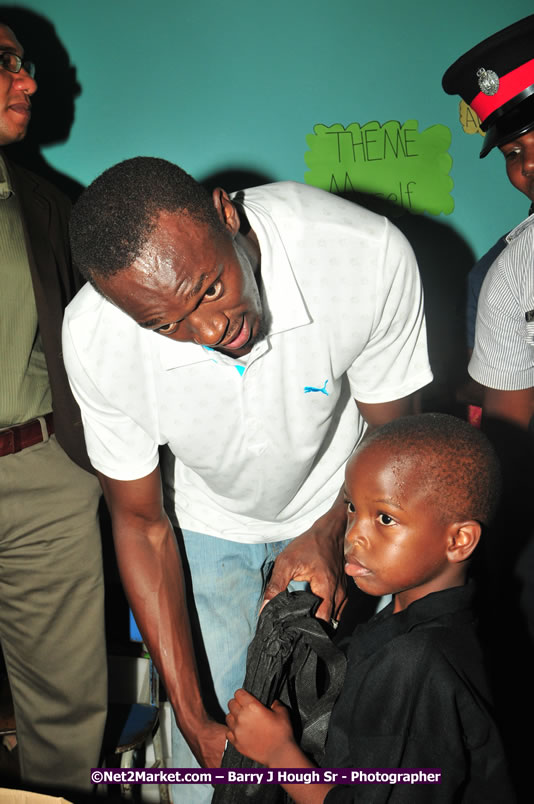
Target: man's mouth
[[238, 339], [21, 108]]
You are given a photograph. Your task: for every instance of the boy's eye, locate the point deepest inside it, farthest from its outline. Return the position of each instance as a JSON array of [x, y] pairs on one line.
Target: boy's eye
[[511, 154], [385, 519], [350, 507]]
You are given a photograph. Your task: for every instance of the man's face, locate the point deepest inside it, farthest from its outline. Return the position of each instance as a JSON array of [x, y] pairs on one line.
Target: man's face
[[191, 284], [15, 92], [395, 542], [519, 156]]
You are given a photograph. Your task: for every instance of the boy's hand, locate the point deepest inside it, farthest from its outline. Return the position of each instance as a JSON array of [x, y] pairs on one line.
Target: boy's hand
[[257, 732]]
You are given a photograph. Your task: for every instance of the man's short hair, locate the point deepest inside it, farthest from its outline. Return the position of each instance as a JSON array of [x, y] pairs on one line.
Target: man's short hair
[[114, 217], [458, 465]]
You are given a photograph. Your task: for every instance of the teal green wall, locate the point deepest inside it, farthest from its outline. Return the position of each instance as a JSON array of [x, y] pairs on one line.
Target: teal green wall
[[214, 86]]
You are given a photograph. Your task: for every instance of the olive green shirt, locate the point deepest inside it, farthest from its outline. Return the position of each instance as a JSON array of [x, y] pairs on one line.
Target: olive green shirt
[[24, 389]]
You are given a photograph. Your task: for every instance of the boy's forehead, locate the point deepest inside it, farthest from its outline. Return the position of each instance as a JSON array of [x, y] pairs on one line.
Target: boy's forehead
[[405, 461], [406, 477]]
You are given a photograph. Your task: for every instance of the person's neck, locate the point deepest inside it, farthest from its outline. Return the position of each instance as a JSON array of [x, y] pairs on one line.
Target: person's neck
[[250, 245], [402, 600]]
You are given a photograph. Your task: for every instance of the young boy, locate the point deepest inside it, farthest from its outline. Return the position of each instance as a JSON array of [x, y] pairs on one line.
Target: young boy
[[418, 492]]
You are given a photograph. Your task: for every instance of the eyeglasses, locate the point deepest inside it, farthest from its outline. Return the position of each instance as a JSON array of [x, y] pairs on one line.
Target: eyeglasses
[[14, 64]]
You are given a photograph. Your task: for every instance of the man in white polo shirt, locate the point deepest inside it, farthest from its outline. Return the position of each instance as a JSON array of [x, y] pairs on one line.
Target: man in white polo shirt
[[279, 308]]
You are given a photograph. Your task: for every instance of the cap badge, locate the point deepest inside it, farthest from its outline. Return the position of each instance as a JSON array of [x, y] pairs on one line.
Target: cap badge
[[488, 81]]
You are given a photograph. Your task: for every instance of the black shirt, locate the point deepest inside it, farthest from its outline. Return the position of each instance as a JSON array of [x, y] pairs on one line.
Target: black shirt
[[416, 696]]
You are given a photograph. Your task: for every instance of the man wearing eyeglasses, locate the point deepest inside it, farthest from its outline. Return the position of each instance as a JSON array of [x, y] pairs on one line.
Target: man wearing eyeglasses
[[51, 587]]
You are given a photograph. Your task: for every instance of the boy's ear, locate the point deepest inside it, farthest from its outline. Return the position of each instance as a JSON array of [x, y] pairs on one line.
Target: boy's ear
[[463, 537]]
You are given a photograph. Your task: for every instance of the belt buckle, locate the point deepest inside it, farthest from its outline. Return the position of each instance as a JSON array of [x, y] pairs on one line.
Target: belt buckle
[[44, 428]]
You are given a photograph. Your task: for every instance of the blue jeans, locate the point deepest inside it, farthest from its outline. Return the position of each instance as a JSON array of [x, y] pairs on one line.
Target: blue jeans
[[227, 580]]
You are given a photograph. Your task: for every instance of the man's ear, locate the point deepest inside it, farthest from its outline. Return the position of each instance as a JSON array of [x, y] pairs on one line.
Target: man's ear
[[462, 539], [226, 211]]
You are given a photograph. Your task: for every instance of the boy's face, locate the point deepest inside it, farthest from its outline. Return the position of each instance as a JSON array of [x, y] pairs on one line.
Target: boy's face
[[519, 156], [395, 542]]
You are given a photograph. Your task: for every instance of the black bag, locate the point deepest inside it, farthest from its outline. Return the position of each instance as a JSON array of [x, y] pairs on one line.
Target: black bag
[[291, 659]]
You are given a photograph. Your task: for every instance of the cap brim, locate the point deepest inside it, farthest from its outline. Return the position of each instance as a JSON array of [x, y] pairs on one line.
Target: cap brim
[[515, 122], [490, 141]]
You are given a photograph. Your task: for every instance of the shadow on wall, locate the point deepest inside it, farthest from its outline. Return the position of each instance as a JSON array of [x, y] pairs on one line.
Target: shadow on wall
[[235, 178], [53, 103], [444, 260]]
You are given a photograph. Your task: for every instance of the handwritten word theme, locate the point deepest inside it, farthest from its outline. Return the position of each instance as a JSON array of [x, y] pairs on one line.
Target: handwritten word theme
[[395, 162]]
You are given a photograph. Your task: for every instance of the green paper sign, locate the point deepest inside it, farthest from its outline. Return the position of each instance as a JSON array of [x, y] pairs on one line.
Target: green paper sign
[[396, 163]]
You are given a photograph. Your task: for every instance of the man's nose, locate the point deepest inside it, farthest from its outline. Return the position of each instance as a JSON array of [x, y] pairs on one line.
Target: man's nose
[[22, 81], [208, 328]]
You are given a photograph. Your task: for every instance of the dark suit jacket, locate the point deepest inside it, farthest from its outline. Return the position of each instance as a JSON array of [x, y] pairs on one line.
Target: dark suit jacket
[[45, 213]]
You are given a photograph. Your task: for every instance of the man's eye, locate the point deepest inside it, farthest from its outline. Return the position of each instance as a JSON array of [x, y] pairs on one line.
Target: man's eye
[[350, 507], [214, 291], [168, 329], [385, 519]]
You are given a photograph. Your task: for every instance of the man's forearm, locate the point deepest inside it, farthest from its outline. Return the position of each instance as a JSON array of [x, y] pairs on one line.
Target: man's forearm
[[152, 574], [515, 407]]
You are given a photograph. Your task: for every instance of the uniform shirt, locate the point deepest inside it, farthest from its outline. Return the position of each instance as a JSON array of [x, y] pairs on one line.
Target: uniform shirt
[[257, 446], [503, 357], [475, 278], [416, 696]]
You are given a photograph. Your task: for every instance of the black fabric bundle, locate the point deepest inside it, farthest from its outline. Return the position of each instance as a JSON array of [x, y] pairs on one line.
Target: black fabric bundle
[[291, 659]]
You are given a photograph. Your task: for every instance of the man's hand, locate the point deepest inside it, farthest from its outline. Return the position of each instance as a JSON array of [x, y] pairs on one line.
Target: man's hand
[[315, 556], [259, 733], [207, 744]]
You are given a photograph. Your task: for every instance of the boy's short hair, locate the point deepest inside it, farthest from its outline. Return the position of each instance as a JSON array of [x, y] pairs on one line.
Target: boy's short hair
[[458, 465]]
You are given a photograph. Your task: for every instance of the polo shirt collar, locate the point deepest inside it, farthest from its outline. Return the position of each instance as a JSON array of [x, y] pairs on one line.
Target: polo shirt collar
[[456, 602], [174, 354], [280, 294], [280, 291]]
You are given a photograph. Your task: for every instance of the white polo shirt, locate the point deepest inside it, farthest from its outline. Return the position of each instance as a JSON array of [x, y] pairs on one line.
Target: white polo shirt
[[503, 357], [257, 446]]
